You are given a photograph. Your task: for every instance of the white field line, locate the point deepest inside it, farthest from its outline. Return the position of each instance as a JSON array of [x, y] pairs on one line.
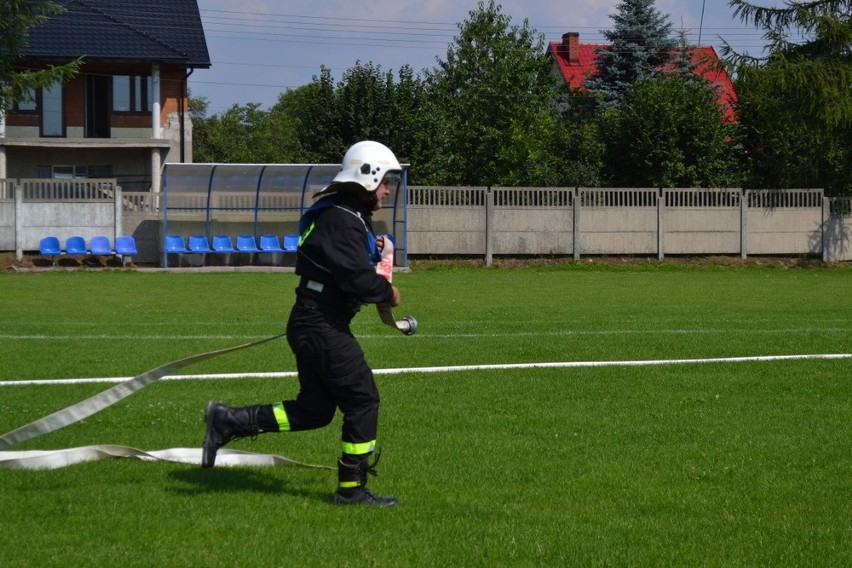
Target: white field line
[[549, 333], [451, 369]]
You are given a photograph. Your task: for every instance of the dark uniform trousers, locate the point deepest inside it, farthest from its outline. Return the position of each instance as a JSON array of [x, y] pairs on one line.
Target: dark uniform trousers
[[333, 373]]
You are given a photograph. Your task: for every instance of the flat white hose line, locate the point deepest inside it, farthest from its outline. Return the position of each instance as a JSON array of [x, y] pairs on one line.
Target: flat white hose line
[[55, 459], [94, 404], [448, 369], [52, 459]]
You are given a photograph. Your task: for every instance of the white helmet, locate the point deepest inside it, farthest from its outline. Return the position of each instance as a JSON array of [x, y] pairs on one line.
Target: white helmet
[[366, 163]]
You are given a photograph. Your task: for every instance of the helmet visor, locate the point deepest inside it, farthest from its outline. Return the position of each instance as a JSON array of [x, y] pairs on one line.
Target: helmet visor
[[393, 179]]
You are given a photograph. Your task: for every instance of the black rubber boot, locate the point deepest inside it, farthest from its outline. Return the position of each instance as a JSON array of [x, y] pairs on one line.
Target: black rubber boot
[[352, 475], [226, 423]]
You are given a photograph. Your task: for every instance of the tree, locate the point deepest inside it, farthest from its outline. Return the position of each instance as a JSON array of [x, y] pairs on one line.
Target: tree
[[197, 107], [412, 124], [373, 105], [17, 17], [314, 110], [640, 45], [795, 102], [580, 142], [492, 102], [245, 134], [668, 131], [365, 104]]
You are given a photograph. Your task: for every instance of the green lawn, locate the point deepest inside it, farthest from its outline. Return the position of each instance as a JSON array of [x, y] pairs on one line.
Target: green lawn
[[713, 464]]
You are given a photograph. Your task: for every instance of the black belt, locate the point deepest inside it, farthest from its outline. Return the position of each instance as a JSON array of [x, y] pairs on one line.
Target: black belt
[[328, 297]]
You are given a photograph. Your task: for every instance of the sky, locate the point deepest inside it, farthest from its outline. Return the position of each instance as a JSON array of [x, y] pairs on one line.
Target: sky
[[261, 48]]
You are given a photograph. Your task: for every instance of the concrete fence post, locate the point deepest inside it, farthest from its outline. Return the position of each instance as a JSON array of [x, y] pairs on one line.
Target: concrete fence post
[[119, 210], [661, 224], [489, 226], [744, 198], [19, 214], [576, 203], [826, 214]]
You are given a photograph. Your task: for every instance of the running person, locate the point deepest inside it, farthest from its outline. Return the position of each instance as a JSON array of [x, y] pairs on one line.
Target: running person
[[336, 261]]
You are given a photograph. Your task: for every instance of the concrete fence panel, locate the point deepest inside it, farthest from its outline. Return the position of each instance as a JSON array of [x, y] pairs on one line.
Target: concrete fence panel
[[64, 220], [837, 233], [64, 208], [447, 220], [701, 221], [618, 221], [527, 220], [789, 220], [520, 231]]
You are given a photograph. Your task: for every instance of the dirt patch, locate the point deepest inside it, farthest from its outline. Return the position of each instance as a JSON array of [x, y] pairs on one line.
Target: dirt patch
[[35, 262], [9, 262], [625, 260]]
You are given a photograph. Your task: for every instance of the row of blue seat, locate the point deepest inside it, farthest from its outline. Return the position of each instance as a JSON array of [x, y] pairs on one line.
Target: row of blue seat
[[223, 244], [51, 247]]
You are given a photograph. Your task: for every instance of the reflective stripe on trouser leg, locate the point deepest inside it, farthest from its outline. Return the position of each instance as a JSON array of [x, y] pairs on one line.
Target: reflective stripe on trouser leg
[[359, 449], [352, 470], [281, 417]]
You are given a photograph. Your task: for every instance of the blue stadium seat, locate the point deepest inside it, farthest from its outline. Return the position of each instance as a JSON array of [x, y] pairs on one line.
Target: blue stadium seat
[[291, 243], [176, 245], [247, 244], [198, 244], [50, 247], [125, 246], [269, 243], [100, 246], [76, 246], [223, 244]]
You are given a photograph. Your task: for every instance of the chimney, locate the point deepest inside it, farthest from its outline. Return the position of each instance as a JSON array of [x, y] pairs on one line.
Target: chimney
[[571, 46]]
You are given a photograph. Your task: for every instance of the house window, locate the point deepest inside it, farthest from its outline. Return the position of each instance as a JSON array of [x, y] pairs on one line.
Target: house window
[[99, 171], [73, 171], [27, 104], [132, 94], [64, 172], [52, 116], [98, 111]]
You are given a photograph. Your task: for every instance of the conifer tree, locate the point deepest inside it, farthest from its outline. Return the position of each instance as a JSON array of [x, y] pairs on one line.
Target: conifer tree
[[796, 99], [640, 44]]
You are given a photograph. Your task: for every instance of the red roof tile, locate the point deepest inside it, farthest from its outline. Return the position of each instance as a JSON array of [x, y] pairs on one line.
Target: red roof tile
[[575, 71]]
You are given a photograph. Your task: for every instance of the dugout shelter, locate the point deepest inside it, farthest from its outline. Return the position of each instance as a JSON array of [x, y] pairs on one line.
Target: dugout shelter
[[260, 199]]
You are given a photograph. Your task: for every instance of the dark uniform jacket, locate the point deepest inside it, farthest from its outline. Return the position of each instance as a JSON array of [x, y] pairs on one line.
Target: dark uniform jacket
[[337, 255]]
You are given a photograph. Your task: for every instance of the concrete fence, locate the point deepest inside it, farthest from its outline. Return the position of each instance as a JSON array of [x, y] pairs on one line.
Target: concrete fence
[[483, 222], [34, 208]]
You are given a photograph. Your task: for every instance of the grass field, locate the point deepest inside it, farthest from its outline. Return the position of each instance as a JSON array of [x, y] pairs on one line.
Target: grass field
[[712, 464]]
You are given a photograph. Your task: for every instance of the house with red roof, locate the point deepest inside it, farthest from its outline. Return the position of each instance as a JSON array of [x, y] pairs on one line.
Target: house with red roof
[[576, 61]]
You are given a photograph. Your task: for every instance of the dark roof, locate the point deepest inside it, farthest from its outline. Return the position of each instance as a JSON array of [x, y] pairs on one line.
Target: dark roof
[[160, 31]]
